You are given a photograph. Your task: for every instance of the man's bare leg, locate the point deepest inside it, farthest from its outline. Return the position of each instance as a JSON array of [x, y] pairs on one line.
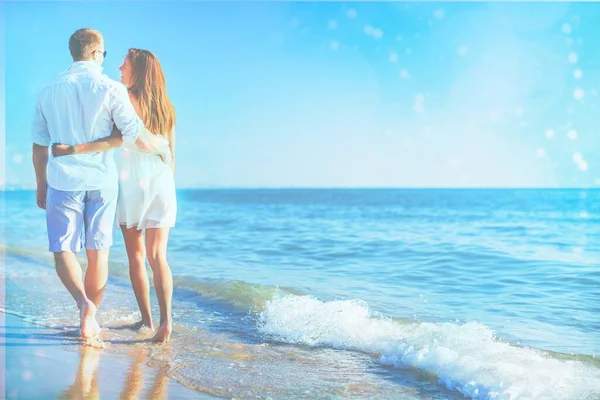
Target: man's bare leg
[[96, 275], [69, 272]]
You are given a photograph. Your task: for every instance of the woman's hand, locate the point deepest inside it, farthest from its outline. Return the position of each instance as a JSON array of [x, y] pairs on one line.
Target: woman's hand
[[59, 149]]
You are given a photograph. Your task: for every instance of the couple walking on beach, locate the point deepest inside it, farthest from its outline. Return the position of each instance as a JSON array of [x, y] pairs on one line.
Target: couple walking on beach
[[84, 115]]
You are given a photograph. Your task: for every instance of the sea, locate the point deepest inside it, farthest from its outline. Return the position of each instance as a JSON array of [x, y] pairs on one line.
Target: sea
[[353, 293]]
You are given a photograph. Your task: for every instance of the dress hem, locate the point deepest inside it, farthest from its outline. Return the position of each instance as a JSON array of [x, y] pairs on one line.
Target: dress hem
[[160, 226]]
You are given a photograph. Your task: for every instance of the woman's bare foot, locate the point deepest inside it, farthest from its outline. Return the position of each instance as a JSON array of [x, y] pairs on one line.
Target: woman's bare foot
[[163, 334], [143, 326], [89, 327]]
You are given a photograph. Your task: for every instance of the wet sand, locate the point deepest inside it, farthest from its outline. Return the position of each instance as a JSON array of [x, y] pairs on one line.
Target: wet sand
[[39, 362]]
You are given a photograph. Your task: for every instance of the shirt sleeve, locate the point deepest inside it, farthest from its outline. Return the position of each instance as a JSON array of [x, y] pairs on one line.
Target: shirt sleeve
[[39, 129], [124, 115]]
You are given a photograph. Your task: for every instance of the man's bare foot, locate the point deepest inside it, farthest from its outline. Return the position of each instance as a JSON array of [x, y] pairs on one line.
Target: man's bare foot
[[89, 327], [163, 334]]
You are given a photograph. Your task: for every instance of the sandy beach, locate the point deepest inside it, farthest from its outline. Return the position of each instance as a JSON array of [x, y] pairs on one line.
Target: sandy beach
[[40, 362]]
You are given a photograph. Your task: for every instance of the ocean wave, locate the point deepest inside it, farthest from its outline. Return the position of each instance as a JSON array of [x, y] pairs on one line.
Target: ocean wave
[[468, 358]]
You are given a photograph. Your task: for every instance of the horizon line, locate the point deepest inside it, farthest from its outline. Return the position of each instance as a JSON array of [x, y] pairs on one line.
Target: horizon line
[[15, 188]]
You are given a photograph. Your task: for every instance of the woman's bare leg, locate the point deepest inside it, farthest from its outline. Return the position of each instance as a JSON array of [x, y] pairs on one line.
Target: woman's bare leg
[[134, 244], [156, 248]]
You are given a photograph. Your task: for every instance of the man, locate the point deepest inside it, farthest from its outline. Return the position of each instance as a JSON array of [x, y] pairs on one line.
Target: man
[[79, 192]]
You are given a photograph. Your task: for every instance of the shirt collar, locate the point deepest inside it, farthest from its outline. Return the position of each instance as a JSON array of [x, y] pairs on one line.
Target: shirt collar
[[85, 66]]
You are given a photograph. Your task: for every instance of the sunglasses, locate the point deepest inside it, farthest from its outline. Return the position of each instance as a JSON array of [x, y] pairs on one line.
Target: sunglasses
[[103, 53]]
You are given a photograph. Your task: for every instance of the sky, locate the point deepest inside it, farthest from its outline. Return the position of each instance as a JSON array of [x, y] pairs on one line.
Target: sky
[[333, 94]]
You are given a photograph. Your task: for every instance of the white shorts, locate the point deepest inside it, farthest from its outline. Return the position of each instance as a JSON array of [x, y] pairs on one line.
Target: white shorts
[[71, 213]]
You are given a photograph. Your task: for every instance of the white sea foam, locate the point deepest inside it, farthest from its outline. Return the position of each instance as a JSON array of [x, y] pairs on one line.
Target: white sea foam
[[467, 358]]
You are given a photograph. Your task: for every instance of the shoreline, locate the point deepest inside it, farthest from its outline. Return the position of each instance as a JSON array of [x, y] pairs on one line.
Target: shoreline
[[41, 362]]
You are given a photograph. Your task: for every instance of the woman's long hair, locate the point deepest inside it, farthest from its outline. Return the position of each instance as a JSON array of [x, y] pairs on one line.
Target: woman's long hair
[[149, 88]]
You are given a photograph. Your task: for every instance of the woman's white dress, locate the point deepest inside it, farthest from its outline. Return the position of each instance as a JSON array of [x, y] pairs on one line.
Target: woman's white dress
[[146, 185]]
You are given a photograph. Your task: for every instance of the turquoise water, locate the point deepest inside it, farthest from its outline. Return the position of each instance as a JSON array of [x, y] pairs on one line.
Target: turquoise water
[[486, 294]]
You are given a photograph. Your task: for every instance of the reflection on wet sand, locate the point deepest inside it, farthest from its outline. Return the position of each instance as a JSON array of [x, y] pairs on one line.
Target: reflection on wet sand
[[158, 390], [42, 362], [134, 380], [85, 385]]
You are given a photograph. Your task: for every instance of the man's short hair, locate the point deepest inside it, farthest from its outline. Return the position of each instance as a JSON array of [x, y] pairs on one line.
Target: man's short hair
[[82, 42]]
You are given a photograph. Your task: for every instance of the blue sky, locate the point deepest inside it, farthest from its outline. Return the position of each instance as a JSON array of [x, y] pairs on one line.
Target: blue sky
[[336, 94]]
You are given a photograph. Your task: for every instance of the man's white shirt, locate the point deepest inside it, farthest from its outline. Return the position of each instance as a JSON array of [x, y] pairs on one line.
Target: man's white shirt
[[81, 105]]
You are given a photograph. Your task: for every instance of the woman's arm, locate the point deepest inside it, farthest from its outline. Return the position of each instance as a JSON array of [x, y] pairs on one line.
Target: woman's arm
[[171, 138], [110, 142]]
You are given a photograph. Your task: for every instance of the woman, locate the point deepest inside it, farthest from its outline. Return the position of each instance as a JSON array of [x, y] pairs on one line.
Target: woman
[[147, 199]]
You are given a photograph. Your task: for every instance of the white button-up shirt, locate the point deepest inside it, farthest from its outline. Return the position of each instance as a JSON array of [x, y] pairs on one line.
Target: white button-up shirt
[[81, 105]]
